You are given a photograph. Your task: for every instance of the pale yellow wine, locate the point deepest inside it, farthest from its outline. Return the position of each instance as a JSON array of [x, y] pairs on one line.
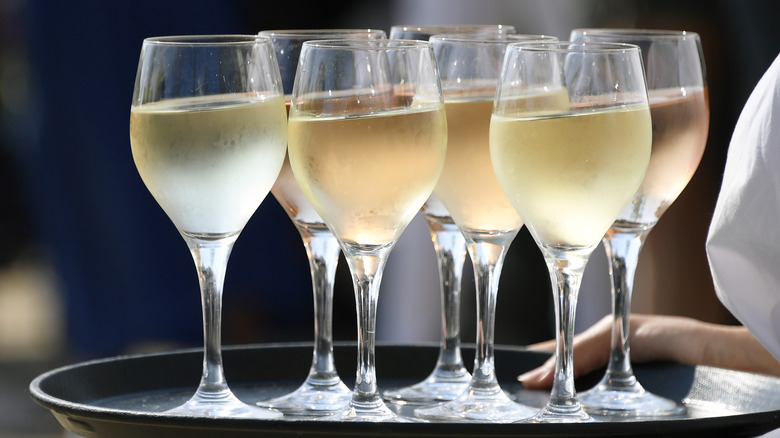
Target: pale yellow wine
[[569, 175], [289, 195], [209, 161], [468, 187], [368, 176]]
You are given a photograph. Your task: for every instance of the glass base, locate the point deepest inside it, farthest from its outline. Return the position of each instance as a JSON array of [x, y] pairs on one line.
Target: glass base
[[570, 413], [222, 404], [631, 403], [489, 405], [367, 412], [312, 399], [441, 386]]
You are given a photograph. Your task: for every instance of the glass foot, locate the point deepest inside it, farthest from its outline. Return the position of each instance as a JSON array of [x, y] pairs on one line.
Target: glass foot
[[312, 399], [478, 405], [368, 412], [222, 404], [566, 413], [630, 403], [439, 387]]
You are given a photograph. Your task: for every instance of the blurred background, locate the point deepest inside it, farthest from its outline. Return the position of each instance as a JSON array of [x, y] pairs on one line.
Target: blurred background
[[91, 267]]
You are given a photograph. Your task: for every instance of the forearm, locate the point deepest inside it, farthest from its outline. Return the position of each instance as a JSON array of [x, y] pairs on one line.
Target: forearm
[[663, 338], [694, 342], [736, 348]]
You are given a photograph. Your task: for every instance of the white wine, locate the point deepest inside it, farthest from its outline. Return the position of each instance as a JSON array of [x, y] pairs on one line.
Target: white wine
[[468, 187], [368, 176], [570, 175], [209, 161], [290, 196], [680, 124]]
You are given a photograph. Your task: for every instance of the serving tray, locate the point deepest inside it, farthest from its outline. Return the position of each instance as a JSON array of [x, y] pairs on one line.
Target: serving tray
[[125, 396]]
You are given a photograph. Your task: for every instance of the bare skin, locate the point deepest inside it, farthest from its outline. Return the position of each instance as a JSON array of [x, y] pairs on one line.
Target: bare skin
[[662, 338]]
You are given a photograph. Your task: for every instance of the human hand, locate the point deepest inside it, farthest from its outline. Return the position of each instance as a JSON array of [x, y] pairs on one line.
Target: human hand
[[653, 337]]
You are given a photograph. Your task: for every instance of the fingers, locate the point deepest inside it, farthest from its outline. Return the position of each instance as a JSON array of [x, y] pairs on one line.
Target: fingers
[[543, 346], [541, 377], [591, 351]]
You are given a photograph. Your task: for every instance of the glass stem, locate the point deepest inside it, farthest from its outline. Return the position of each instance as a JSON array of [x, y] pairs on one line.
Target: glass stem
[[622, 248], [211, 257], [487, 253], [323, 252], [566, 271], [450, 247], [367, 267]]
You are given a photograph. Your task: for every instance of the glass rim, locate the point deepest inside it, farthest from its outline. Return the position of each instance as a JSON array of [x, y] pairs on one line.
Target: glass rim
[[491, 38], [425, 27], [207, 40], [637, 33], [366, 44], [318, 32], [579, 46]]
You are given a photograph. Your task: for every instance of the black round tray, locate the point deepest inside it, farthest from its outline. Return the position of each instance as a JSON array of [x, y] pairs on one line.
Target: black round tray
[[125, 396]]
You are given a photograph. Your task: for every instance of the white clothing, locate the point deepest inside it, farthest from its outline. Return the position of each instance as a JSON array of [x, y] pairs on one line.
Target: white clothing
[[743, 244]]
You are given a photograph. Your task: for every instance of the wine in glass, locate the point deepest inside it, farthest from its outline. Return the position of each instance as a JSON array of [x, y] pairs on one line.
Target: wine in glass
[[470, 65], [570, 143], [322, 392], [208, 136], [677, 88], [367, 141], [449, 377]]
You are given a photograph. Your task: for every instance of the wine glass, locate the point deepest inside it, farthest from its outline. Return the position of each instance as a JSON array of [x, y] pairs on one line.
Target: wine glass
[[677, 88], [322, 392], [469, 66], [449, 377], [208, 136], [570, 143], [367, 141]]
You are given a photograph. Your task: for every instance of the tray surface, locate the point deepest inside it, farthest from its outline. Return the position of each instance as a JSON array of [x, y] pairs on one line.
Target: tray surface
[[125, 396]]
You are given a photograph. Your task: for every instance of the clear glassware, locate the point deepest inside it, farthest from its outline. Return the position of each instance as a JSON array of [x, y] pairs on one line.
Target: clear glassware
[[367, 141], [449, 377], [423, 32], [470, 65], [208, 133], [677, 88], [323, 391], [570, 142]]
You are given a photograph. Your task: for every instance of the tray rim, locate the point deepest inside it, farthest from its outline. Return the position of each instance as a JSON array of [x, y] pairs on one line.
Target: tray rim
[[66, 409]]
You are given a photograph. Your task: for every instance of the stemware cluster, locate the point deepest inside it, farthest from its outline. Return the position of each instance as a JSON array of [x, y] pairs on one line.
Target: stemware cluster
[[479, 129]]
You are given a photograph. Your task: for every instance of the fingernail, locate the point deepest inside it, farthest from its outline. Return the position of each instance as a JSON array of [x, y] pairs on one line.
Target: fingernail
[[534, 375]]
